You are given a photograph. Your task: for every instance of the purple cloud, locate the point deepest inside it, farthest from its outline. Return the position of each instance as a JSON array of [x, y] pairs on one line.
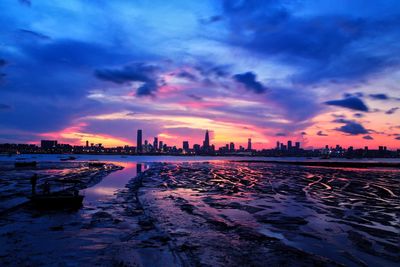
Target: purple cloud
[[354, 103], [320, 133], [368, 137], [249, 80], [352, 128]]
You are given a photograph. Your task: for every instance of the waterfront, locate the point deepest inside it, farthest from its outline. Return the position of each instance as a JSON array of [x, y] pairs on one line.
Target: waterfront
[[218, 212]]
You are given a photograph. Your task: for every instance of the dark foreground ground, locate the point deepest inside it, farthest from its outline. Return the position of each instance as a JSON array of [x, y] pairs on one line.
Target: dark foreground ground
[[220, 214]]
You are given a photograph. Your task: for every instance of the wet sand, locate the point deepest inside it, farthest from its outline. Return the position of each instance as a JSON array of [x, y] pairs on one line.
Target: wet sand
[[218, 214], [253, 214], [329, 163]]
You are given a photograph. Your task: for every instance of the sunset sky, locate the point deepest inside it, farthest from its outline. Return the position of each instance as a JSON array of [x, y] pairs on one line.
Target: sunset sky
[[319, 72]]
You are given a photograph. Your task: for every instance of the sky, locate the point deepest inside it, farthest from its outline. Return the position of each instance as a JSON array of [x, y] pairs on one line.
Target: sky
[[319, 72]]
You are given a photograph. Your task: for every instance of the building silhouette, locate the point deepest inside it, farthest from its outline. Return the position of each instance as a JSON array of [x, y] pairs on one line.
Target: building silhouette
[[155, 144], [249, 144], [48, 144], [139, 144], [185, 146], [297, 146], [289, 145], [232, 147], [206, 142]]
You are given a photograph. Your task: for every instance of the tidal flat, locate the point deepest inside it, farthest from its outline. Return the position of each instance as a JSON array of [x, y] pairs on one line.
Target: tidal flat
[[217, 213]]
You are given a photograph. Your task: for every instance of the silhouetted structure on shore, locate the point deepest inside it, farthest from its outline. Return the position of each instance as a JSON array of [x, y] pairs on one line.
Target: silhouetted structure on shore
[[158, 147]]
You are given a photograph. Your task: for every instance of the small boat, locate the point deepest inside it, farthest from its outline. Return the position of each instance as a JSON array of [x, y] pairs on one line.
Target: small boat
[[25, 164], [57, 200]]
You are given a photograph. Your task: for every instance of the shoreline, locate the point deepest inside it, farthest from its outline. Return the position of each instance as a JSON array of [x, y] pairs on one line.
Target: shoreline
[[345, 164], [88, 178]]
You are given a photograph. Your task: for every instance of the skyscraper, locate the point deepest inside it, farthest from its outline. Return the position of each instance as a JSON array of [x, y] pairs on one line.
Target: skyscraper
[[278, 145], [249, 144], [139, 144], [155, 143], [160, 145], [232, 147], [185, 146], [206, 143], [297, 145], [289, 145]]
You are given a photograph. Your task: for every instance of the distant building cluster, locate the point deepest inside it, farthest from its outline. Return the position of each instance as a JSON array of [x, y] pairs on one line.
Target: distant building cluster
[[158, 147]]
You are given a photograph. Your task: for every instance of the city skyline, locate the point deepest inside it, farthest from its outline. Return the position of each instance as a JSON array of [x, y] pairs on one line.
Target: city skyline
[[310, 72], [143, 144]]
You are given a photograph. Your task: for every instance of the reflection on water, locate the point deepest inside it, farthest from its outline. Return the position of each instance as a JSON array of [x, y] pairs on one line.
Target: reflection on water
[[115, 181]]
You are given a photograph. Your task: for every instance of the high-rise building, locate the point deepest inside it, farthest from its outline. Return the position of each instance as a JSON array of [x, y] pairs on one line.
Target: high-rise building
[[249, 144], [278, 146], [297, 145], [160, 145], [289, 145], [283, 147], [155, 143], [206, 143], [87, 143], [185, 146], [232, 147], [139, 144], [196, 148], [48, 144]]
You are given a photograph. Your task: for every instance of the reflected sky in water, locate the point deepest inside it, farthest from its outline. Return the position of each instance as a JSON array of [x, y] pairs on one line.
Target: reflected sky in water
[[113, 182]]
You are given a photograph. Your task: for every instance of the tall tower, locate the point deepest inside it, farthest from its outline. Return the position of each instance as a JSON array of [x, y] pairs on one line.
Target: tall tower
[[185, 146], [249, 144], [206, 143], [155, 143], [139, 144]]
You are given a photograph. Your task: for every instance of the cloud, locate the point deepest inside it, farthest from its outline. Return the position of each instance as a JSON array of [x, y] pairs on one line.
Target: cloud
[[187, 75], [211, 19], [358, 115], [131, 73], [391, 111], [320, 133], [35, 34], [195, 97], [354, 103], [368, 137], [397, 138], [3, 62], [25, 2], [4, 107], [322, 46], [295, 105], [148, 88], [138, 72], [280, 134], [352, 128], [248, 79], [379, 96]]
